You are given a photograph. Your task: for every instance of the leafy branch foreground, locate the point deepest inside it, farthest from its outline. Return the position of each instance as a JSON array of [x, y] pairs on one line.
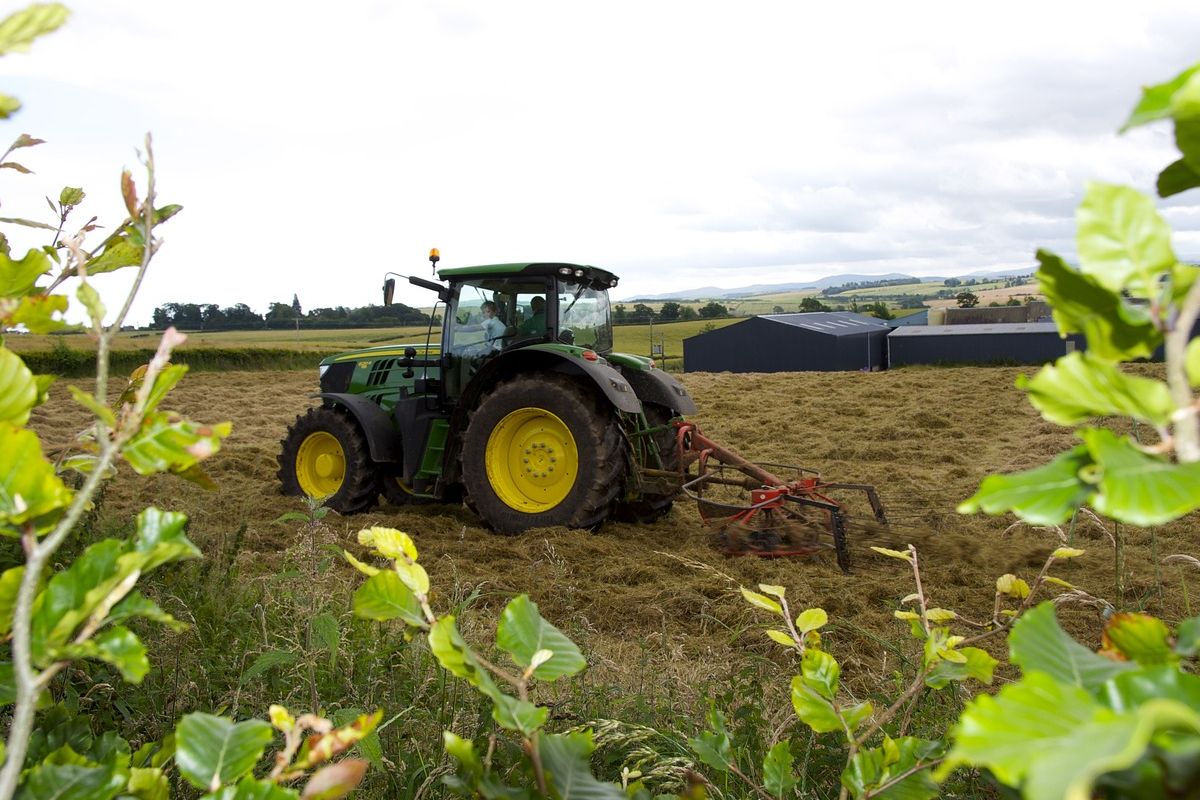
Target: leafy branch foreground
[[1120, 723]]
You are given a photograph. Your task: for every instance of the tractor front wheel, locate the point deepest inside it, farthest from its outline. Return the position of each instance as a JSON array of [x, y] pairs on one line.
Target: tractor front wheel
[[325, 454], [540, 450]]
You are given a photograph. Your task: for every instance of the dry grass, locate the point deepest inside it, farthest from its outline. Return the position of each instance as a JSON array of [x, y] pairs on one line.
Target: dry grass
[[925, 437]]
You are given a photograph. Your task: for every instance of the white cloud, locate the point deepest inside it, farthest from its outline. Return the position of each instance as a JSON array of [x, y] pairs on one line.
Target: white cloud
[[316, 145]]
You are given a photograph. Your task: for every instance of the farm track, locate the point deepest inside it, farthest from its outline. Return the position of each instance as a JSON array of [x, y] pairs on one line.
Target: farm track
[[656, 599]]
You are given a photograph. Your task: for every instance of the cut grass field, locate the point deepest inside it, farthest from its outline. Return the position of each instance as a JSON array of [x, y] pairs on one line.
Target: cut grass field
[[654, 607]]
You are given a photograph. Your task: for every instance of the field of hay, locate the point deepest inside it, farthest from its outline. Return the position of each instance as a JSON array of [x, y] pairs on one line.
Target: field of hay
[[656, 602]]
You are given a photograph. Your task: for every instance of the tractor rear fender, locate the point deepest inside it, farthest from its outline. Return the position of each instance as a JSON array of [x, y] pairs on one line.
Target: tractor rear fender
[[382, 439], [605, 380], [548, 358], [656, 386]]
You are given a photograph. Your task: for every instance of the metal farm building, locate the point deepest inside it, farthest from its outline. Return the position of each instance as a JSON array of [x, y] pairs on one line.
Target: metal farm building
[[818, 341], [1019, 343]]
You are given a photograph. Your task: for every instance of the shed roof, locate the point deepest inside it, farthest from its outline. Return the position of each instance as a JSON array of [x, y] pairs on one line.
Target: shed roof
[[975, 330], [834, 323]]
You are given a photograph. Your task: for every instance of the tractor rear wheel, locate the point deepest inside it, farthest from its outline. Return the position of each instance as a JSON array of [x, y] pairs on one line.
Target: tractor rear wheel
[[650, 507], [540, 450], [325, 454]]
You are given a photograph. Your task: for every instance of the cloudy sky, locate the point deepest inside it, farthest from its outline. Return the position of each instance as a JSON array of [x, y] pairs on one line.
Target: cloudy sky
[[316, 145]]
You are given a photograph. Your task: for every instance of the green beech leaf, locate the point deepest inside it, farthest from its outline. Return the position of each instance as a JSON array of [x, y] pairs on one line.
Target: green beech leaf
[[1038, 642], [17, 278], [513, 714], [1137, 487], [1080, 304], [117, 646], [384, 596], [1078, 387], [522, 632], [85, 781], [89, 402], [714, 747], [164, 382], [29, 488], [456, 657], [36, 312], [1157, 101], [1054, 739], [777, 771], [160, 538], [1123, 242], [148, 783], [18, 389], [1131, 690], [70, 196], [8, 106], [19, 29], [1175, 178], [10, 584], [567, 761], [8, 684], [1140, 638], [854, 715], [1187, 638], [761, 601], [821, 672], [118, 254], [135, 604], [90, 298], [212, 751], [1187, 139], [1045, 495], [166, 443], [978, 665], [814, 710], [463, 751], [872, 768], [811, 619], [250, 789]]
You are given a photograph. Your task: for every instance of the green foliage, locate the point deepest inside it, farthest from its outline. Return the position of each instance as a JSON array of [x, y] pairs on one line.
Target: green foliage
[[1121, 722], [1129, 295]]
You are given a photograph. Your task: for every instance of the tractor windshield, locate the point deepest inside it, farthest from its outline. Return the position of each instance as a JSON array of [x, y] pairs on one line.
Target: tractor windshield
[[584, 312]]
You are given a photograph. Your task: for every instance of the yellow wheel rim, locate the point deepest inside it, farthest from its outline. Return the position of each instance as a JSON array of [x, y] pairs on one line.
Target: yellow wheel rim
[[531, 460], [320, 464]]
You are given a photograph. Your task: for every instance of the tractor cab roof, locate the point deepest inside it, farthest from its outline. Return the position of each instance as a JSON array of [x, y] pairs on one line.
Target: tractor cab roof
[[599, 278]]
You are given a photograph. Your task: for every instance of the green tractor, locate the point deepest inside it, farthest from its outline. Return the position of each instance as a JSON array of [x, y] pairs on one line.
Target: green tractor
[[522, 409]]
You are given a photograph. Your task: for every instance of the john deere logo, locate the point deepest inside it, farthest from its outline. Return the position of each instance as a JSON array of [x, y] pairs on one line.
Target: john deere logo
[[364, 364]]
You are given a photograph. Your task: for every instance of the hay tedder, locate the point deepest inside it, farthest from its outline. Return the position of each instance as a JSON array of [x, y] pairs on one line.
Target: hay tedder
[[522, 410]]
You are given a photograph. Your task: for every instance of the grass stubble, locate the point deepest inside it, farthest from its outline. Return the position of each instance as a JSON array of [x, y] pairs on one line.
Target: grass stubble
[[654, 607]]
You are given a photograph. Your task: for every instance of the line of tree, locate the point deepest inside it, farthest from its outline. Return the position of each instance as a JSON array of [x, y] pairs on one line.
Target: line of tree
[[212, 317], [851, 285]]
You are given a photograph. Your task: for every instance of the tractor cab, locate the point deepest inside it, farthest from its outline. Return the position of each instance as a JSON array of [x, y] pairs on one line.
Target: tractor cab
[[506, 306]]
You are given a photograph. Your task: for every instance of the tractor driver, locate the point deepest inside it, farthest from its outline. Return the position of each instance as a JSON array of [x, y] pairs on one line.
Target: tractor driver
[[493, 329], [537, 317]]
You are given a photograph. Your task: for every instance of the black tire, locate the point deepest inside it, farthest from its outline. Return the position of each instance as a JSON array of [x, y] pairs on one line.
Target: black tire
[[652, 507], [325, 454], [523, 420]]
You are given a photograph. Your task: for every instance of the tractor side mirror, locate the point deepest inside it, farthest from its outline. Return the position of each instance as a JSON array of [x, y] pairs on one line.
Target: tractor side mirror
[[389, 291]]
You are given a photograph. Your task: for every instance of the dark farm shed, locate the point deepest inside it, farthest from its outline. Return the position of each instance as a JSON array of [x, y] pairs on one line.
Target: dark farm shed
[[820, 341], [1022, 343]]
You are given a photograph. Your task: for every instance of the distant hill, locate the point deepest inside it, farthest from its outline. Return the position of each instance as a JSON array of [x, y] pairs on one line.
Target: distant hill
[[759, 289]]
